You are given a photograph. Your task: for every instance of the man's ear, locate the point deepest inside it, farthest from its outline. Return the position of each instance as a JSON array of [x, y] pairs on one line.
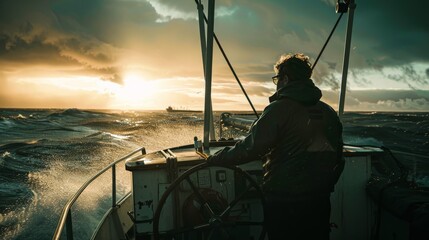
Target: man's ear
[[286, 78]]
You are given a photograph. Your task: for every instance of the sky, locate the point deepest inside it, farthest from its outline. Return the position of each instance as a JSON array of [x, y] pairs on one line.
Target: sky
[[146, 55]]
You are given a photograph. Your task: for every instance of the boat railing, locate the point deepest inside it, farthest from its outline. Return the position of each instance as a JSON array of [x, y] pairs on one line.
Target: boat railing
[[411, 154], [66, 214]]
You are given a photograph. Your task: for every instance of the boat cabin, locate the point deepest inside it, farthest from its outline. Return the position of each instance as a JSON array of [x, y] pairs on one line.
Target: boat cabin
[[177, 195]]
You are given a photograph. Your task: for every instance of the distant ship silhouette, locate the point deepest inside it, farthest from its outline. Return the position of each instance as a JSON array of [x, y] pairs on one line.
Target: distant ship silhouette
[[170, 109]]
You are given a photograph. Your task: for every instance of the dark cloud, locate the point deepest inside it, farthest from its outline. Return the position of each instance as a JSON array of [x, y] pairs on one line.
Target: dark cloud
[[360, 77], [373, 96], [68, 35], [384, 35], [390, 42], [108, 21], [374, 64], [66, 54], [399, 34], [20, 51], [332, 65], [409, 75], [324, 76], [381, 100]]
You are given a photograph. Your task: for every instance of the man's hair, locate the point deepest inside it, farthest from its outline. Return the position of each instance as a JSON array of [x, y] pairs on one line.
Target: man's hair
[[296, 66]]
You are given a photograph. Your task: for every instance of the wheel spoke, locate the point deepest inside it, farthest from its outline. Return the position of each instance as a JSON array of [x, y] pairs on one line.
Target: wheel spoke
[[201, 227], [235, 201], [200, 197]]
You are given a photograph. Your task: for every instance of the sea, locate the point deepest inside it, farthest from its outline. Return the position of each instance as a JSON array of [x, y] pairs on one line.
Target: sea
[[47, 154]]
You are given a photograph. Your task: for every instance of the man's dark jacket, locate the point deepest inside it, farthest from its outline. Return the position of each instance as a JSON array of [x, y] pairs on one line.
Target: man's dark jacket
[[299, 137]]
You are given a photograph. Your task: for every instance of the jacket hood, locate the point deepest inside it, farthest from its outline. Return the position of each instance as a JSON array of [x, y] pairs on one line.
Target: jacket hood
[[304, 92]]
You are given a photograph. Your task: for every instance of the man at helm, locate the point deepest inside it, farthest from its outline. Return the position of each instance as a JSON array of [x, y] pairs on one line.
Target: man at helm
[[300, 139]]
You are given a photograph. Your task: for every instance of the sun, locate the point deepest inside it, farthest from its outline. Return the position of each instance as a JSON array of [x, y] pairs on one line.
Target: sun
[[136, 92], [136, 85]]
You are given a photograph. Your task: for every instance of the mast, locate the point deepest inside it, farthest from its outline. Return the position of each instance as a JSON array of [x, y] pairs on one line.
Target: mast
[[351, 6], [208, 115], [203, 51], [202, 33]]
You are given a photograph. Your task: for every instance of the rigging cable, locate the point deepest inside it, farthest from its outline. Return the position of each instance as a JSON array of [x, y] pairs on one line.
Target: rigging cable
[[327, 40], [234, 73], [230, 67]]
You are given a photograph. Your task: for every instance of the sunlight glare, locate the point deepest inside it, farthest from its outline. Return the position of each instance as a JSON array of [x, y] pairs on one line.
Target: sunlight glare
[[136, 92]]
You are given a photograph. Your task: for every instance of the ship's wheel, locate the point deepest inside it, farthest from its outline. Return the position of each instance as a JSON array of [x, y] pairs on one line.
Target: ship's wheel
[[214, 220]]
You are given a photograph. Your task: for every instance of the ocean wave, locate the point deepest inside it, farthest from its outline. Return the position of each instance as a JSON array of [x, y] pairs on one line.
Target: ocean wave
[[16, 165], [76, 113], [13, 146], [108, 135], [67, 112], [13, 194], [46, 156], [14, 220], [6, 122], [105, 124], [366, 141]]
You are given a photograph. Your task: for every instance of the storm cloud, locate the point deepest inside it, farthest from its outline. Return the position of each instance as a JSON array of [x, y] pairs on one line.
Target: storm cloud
[[61, 34], [103, 38]]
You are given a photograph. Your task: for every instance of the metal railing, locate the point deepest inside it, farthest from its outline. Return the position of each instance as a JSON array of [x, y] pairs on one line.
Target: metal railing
[[66, 215], [410, 154]]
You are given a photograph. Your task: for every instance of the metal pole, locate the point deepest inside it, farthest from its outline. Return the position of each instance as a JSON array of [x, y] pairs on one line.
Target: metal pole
[[202, 33], [69, 226], [113, 185], [212, 128], [203, 51], [208, 75], [352, 7]]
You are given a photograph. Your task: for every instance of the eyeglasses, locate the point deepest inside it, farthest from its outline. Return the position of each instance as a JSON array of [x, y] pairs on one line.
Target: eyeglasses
[[275, 79]]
